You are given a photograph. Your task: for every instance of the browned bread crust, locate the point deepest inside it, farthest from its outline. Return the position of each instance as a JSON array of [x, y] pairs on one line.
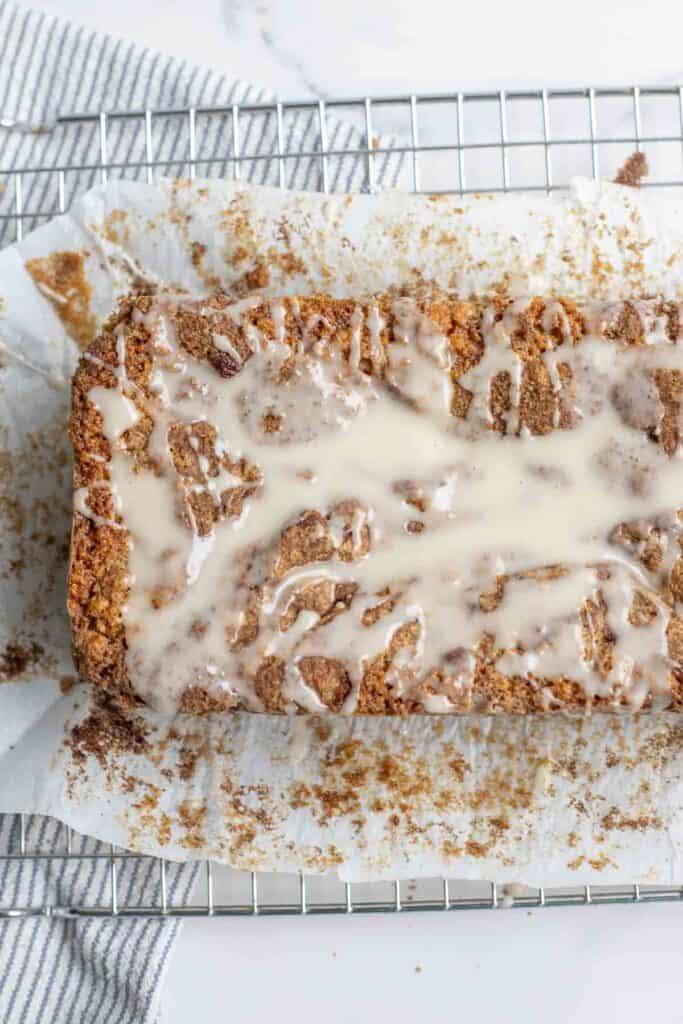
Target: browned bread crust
[[98, 576]]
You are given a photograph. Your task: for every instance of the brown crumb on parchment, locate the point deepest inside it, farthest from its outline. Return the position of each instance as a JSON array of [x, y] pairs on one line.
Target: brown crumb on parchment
[[601, 862], [191, 748], [632, 171], [252, 280], [15, 659], [616, 819], [61, 278], [357, 780], [108, 730], [197, 252], [115, 227], [67, 683], [192, 815]]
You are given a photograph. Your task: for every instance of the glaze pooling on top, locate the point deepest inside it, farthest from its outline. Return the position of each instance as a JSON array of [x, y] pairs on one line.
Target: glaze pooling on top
[[368, 487]]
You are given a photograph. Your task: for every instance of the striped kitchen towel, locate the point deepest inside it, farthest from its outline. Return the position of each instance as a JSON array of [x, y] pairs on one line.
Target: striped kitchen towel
[[88, 970], [51, 68], [108, 971]]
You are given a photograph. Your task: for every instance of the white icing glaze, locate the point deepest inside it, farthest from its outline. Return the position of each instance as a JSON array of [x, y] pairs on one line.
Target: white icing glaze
[[491, 506]]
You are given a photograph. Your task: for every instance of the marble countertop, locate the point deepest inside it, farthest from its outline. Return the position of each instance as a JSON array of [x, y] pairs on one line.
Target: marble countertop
[[330, 48], [549, 965]]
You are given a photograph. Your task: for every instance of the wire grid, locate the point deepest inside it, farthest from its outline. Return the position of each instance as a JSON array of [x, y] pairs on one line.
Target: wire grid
[[463, 143]]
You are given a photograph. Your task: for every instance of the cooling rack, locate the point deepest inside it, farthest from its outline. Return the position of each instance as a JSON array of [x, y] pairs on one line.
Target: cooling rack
[[532, 140]]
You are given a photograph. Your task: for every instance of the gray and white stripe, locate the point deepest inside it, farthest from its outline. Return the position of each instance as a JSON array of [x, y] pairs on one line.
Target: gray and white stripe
[[51, 68], [85, 970]]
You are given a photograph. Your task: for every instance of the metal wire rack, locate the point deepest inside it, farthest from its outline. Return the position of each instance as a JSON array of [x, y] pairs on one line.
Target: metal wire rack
[[532, 140], [223, 892]]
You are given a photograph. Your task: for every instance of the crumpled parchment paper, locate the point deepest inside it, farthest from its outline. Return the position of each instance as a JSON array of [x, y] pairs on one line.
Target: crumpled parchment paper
[[544, 800]]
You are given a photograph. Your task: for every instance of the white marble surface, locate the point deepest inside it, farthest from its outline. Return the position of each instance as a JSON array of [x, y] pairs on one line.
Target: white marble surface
[[345, 47], [585, 964], [578, 965]]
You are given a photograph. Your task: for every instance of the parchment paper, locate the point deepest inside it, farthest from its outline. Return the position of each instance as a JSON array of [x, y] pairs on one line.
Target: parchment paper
[[543, 800]]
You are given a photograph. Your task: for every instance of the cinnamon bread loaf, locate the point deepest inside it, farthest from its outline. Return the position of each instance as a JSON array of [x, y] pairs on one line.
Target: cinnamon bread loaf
[[401, 504]]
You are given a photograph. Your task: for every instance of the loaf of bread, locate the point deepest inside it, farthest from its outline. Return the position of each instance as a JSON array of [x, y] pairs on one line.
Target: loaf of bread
[[405, 503]]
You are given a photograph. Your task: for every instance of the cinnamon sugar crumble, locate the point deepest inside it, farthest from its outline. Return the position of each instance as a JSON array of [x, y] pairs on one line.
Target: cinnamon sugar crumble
[[67, 683], [16, 658], [115, 227], [633, 170], [62, 280], [109, 729], [192, 814]]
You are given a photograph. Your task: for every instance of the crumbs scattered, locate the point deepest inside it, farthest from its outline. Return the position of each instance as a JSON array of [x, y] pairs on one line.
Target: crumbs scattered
[[181, 219], [12, 514], [110, 729], [192, 815], [322, 729], [632, 171], [67, 683], [115, 227], [358, 780], [149, 820], [250, 812], [191, 748], [61, 278], [252, 280], [197, 253], [601, 862], [615, 819], [15, 659], [187, 760]]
